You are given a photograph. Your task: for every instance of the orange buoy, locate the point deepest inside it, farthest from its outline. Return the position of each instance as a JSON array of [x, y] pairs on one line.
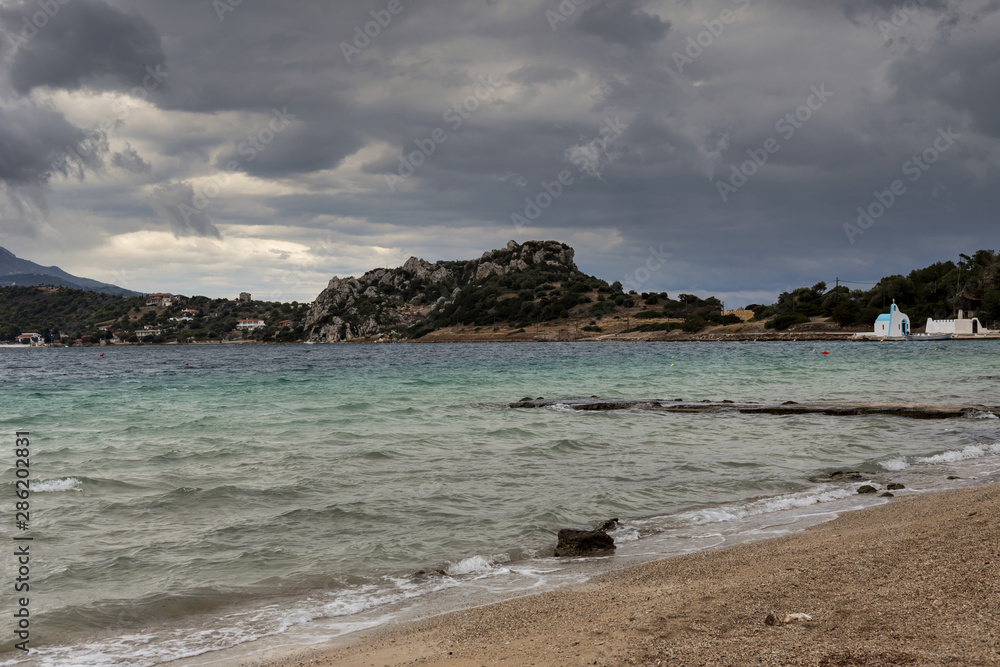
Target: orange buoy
[[102, 354], [825, 352]]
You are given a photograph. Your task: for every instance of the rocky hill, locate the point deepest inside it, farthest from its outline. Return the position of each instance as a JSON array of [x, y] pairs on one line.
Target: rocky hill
[[536, 281]]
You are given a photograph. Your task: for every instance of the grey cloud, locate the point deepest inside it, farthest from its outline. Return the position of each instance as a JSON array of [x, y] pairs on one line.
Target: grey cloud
[[176, 204], [963, 74], [130, 161], [623, 21], [86, 42], [545, 74], [34, 143], [303, 147], [783, 227]]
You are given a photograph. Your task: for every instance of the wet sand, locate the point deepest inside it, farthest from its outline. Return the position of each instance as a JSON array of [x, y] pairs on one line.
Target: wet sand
[[913, 582]]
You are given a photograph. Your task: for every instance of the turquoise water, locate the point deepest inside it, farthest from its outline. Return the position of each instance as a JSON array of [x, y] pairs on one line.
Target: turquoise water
[[175, 482]]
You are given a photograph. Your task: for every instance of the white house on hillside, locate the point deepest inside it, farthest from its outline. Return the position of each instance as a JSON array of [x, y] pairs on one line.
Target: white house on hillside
[[894, 324], [250, 324]]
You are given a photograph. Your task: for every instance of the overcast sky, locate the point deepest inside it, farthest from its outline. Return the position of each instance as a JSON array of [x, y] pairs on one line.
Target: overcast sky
[[719, 147]]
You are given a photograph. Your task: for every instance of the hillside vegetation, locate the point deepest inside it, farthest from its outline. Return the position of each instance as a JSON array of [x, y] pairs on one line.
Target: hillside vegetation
[[76, 314], [936, 291]]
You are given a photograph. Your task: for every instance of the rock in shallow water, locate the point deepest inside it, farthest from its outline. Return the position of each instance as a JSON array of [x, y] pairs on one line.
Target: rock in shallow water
[[584, 543], [867, 488], [838, 476], [610, 524]]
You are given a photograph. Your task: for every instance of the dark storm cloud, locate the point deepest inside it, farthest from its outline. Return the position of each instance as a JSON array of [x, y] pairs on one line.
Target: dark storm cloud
[[624, 22], [67, 46], [962, 73], [83, 42], [561, 84], [285, 144], [178, 206], [33, 145]]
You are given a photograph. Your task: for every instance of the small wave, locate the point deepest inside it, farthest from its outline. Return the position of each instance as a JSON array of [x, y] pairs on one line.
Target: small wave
[[624, 533], [895, 465], [970, 452], [765, 506], [475, 565], [979, 414], [53, 485]]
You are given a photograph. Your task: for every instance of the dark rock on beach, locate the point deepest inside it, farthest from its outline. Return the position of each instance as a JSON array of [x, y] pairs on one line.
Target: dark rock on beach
[[584, 543], [867, 488], [894, 486], [886, 495]]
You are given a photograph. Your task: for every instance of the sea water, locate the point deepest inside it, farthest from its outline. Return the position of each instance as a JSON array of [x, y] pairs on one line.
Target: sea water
[[202, 501]]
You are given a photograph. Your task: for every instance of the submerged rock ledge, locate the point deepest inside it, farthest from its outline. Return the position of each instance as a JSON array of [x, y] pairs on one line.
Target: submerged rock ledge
[[911, 410]]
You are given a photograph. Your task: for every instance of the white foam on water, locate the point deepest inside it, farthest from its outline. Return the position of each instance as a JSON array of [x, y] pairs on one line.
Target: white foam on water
[[970, 452], [562, 407], [624, 533], [53, 485], [476, 565], [788, 501], [979, 414], [148, 648], [895, 465]]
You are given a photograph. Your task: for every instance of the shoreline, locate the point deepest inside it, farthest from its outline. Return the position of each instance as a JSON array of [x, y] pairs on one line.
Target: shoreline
[[638, 337], [914, 581]]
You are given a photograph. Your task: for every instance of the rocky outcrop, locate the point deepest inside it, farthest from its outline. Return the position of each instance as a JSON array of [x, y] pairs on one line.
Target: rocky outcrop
[[385, 303], [584, 543], [844, 409]]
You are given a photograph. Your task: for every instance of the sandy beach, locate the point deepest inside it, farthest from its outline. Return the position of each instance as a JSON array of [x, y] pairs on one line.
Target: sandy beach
[[913, 582]]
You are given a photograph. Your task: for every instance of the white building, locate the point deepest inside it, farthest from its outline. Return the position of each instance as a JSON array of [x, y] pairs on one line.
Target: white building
[[29, 339], [961, 325], [894, 324], [250, 324]]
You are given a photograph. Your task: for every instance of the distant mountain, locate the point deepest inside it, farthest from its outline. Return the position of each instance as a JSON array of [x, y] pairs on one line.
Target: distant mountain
[[16, 271]]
